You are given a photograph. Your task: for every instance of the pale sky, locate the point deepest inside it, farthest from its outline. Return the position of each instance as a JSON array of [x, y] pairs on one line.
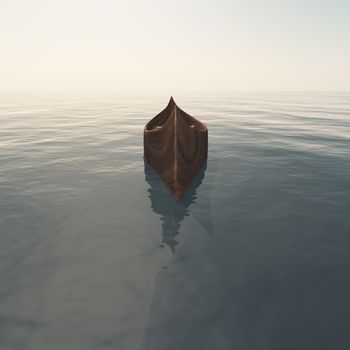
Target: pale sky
[[199, 45]]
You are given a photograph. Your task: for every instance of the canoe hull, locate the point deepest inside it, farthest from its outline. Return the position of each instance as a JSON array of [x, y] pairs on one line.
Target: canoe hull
[[176, 147]]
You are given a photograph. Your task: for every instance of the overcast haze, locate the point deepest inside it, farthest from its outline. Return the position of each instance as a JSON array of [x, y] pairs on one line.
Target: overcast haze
[[105, 45]]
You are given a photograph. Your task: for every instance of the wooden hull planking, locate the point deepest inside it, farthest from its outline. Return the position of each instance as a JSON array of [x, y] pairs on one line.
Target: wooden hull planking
[[176, 146]]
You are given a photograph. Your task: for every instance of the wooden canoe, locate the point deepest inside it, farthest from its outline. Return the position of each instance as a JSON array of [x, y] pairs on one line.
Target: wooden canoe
[[176, 147]]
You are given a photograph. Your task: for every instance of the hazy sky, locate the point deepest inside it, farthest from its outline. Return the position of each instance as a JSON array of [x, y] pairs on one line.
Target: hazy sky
[[133, 45]]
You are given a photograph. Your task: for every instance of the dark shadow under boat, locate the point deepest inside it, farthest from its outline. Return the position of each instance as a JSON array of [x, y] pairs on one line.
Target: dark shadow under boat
[[171, 212]]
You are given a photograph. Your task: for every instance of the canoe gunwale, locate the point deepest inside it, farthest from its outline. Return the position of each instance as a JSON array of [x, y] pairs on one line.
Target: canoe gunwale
[[198, 125]]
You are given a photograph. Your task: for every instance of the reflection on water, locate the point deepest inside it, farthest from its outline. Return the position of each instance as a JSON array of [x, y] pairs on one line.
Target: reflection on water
[[164, 204]]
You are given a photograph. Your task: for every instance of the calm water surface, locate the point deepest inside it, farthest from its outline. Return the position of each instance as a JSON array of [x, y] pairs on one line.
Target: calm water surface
[[95, 253]]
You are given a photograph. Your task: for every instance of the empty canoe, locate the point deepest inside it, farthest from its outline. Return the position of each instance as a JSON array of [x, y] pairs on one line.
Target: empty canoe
[[176, 147]]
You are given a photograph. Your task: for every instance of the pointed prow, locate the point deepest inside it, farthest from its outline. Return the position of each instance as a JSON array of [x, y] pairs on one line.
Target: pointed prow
[[172, 102]]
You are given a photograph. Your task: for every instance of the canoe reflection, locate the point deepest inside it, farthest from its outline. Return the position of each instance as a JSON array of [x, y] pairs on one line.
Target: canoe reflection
[[162, 202]]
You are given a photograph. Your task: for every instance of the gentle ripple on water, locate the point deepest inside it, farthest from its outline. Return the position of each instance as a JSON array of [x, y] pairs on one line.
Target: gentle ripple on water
[[95, 253]]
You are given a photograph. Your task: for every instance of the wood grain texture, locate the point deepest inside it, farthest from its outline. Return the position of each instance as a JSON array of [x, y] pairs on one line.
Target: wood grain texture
[[176, 146]]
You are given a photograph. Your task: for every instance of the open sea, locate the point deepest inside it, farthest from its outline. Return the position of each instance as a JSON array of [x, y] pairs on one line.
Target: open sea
[[96, 254]]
